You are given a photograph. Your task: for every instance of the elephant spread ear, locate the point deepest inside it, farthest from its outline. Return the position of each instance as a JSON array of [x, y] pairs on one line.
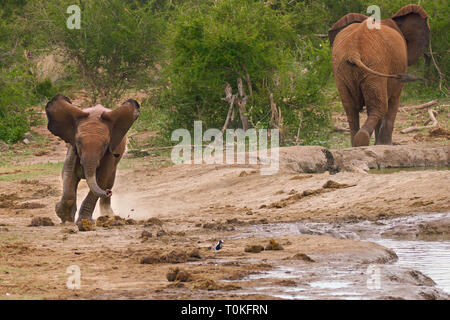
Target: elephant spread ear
[[343, 22], [63, 117], [412, 20], [121, 120]]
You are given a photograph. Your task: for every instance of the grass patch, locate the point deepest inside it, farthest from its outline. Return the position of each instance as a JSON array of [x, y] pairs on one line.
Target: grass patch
[[17, 172]]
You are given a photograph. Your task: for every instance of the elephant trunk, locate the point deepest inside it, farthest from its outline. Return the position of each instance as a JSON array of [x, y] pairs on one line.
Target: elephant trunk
[[91, 179]]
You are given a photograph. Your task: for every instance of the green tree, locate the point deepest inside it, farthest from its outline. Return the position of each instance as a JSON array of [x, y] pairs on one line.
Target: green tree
[[115, 47], [216, 44]]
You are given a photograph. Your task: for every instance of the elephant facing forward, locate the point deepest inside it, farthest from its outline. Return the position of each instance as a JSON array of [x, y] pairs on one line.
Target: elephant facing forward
[[96, 138], [370, 66]]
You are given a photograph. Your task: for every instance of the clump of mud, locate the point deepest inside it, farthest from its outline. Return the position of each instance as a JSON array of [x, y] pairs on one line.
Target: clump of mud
[[161, 233], [211, 285], [218, 226], [301, 177], [152, 258], [434, 230], [243, 174], [70, 230], [86, 225], [113, 221], [437, 230], [30, 182], [301, 256], [208, 284], [9, 201], [273, 245], [174, 256], [30, 205], [41, 221], [153, 222], [254, 248], [440, 132], [177, 274], [146, 234], [329, 186], [287, 283]]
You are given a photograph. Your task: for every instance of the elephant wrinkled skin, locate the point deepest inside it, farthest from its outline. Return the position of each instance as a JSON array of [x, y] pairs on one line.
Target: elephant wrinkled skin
[[96, 138], [370, 66]]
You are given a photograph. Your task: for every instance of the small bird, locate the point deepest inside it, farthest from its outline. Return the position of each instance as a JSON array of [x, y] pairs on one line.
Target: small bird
[[217, 246]]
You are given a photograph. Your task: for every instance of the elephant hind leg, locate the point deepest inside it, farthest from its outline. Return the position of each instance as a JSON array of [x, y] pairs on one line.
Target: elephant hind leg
[[375, 96], [377, 131], [105, 207], [387, 125], [351, 107]]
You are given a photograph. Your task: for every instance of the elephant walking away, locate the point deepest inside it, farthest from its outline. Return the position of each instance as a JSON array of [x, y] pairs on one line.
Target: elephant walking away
[[96, 138], [370, 66]]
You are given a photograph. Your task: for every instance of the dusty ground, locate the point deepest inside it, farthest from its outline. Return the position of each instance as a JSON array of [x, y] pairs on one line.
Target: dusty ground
[[192, 207]]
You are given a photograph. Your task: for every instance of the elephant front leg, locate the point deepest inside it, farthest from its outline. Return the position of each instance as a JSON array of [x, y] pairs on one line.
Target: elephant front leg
[[87, 208], [107, 170], [66, 208]]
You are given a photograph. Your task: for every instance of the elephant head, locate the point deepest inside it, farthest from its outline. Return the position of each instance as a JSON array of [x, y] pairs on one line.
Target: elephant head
[[92, 132], [411, 21]]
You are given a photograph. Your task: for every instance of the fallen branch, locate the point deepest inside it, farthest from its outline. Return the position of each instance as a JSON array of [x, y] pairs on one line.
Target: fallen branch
[[434, 123], [421, 106]]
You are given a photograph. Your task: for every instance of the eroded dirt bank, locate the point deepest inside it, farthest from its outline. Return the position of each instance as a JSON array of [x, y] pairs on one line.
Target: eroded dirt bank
[[193, 206]]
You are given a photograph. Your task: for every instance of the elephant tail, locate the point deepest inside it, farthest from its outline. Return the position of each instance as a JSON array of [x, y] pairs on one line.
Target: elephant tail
[[402, 77]]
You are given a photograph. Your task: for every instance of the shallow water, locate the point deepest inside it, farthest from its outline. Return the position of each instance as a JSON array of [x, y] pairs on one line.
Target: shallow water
[[432, 258]]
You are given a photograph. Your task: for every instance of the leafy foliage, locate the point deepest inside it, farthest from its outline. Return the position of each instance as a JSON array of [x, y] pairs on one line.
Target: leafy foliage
[[115, 47], [184, 52], [214, 45]]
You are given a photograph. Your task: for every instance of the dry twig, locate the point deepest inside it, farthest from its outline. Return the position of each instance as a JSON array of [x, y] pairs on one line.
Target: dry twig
[[433, 119]]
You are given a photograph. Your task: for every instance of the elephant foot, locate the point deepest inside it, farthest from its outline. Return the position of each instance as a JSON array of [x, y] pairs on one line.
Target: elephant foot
[[362, 138], [85, 224], [66, 210]]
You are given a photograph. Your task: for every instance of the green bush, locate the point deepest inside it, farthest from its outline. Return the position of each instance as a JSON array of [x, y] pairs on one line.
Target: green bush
[[115, 47], [212, 44], [15, 97], [16, 80]]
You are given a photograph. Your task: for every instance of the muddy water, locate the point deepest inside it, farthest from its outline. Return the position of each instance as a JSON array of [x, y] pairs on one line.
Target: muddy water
[[432, 258]]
